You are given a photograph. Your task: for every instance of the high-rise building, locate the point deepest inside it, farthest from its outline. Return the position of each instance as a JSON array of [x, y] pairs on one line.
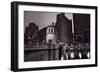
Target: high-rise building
[[82, 27], [64, 28]]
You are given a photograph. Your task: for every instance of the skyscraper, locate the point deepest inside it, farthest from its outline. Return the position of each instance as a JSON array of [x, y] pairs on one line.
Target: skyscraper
[[64, 28]]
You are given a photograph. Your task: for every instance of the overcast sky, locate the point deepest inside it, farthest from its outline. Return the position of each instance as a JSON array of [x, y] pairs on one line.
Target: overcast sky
[[42, 19]]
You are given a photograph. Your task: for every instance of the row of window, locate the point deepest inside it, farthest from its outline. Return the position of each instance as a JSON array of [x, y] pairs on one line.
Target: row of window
[[50, 30]]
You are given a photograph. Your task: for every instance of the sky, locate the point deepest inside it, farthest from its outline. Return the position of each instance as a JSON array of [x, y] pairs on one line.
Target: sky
[[42, 19]]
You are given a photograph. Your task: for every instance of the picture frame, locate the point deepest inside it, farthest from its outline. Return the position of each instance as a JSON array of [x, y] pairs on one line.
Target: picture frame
[[48, 36]]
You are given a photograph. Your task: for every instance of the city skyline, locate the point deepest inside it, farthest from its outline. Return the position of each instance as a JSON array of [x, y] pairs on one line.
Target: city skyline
[[46, 30], [42, 19]]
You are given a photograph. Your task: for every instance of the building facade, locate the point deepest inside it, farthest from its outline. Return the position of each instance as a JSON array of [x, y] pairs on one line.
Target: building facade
[[64, 28], [51, 36]]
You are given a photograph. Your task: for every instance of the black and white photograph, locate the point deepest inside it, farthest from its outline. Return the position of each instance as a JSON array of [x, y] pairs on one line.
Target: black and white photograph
[[52, 36], [56, 36]]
